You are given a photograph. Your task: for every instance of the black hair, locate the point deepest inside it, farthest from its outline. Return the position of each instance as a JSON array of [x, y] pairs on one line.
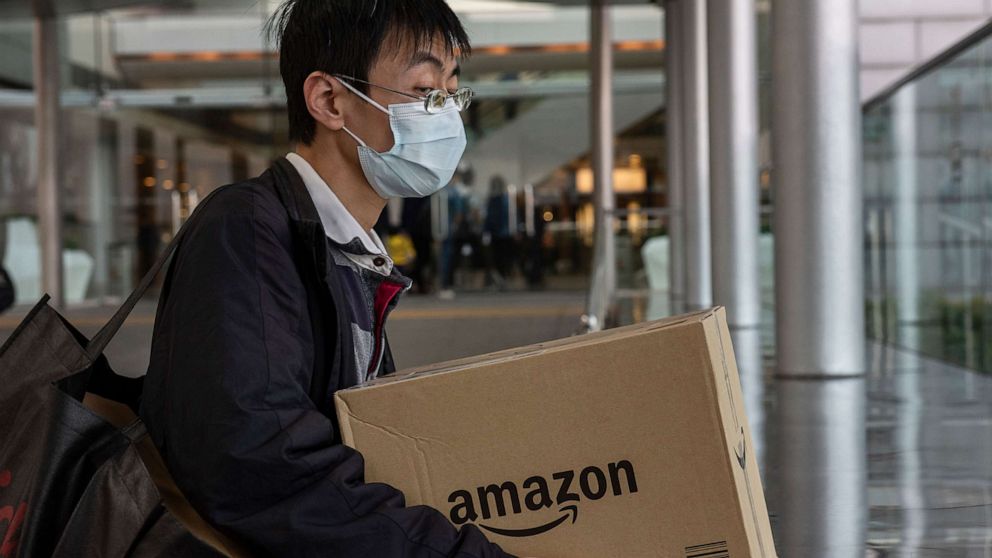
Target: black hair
[[346, 37]]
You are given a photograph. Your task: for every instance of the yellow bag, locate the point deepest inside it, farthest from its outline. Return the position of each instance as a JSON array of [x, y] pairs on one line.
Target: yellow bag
[[400, 249]]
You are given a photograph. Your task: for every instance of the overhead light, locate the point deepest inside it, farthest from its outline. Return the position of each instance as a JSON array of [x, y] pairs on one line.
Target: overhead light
[[625, 180], [639, 45], [163, 56], [565, 48]]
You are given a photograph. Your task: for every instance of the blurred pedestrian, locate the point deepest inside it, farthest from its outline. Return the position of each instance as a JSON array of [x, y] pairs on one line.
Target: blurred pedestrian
[[459, 237], [533, 249], [498, 232], [416, 221], [7, 293]]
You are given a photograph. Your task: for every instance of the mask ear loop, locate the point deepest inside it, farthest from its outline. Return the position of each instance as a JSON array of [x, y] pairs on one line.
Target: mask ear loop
[[365, 98], [354, 137]]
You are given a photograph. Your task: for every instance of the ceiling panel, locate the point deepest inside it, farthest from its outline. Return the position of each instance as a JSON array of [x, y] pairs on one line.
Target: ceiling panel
[[27, 8]]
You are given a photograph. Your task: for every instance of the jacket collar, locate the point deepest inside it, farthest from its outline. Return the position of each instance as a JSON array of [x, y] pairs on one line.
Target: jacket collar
[[339, 224], [362, 247], [303, 217]]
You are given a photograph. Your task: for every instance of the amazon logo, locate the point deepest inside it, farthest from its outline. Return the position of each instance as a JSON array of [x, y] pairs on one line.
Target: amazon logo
[[565, 490]]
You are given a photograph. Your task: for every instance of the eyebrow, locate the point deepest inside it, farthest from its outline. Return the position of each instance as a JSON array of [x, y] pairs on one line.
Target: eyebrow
[[425, 57]]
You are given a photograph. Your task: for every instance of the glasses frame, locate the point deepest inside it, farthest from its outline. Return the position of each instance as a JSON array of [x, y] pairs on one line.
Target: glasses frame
[[435, 99]]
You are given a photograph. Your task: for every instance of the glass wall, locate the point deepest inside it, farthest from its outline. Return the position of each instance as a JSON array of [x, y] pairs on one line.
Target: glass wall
[[531, 225], [928, 216], [19, 242], [161, 105], [141, 141]]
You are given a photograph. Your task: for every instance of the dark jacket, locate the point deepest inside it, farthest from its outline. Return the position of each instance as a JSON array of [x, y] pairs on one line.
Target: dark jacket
[[229, 399]]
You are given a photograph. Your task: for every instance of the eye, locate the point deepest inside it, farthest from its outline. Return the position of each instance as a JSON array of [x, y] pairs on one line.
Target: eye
[[424, 90]]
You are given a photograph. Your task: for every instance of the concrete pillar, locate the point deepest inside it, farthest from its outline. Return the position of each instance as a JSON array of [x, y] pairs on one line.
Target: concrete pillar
[[47, 109], [604, 261], [733, 107], [674, 156], [696, 149], [818, 199]]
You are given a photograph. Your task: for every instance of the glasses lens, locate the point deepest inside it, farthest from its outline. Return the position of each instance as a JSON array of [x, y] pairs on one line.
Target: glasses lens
[[435, 101], [463, 98]]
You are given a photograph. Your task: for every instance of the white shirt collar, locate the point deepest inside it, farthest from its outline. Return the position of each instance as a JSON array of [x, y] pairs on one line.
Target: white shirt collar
[[339, 224]]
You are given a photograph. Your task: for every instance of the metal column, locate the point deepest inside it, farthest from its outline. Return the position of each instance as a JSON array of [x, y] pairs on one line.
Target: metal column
[[822, 471], [674, 114], [819, 272], [733, 106], [696, 150], [47, 89], [604, 262], [906, 219]]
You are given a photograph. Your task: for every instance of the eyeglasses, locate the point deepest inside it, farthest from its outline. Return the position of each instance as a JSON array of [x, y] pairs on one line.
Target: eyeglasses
[[434, 101]]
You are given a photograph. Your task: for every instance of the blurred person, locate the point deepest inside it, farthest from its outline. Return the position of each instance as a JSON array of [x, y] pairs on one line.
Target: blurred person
[[7, 293], [533, 249], [459, 198], [239, 392], [416, 221], [498, 233]]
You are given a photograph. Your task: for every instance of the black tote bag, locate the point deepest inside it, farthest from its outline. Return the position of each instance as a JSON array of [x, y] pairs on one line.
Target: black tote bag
[[71, 483]]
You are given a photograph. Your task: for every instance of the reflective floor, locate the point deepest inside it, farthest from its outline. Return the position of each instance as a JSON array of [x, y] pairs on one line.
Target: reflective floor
[[895, 464], [898, 463]]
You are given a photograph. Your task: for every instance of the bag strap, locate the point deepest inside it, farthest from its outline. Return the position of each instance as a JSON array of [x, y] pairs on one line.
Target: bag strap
[[100, 341], [310, 231]]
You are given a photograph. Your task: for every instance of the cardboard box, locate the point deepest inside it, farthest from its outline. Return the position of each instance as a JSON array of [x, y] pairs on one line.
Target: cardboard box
[[626, 443]]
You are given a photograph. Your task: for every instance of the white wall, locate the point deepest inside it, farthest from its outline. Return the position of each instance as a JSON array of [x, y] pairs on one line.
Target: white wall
[[899, 35]]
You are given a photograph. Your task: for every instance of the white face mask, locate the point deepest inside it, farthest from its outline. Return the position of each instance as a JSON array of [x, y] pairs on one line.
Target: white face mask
[[425, 154]]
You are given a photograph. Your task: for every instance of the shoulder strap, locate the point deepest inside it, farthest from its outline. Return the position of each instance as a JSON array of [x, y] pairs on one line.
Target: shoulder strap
[[100, 341], [313, 254], [307, 226]]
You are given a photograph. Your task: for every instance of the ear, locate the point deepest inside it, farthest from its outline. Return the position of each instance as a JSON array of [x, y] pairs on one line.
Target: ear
[[324, 95]]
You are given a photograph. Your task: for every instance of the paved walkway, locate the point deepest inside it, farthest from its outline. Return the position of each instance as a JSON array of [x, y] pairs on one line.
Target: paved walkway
[[422, 330]]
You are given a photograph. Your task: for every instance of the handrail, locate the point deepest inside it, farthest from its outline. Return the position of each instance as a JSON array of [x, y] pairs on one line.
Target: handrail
[[934, 63]]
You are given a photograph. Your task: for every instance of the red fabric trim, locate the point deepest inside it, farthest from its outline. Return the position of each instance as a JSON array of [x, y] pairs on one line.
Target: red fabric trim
[[384, 295]]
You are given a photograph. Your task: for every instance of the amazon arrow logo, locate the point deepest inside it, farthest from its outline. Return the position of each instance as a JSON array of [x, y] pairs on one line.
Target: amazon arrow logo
[[499, 500], [536, 530]]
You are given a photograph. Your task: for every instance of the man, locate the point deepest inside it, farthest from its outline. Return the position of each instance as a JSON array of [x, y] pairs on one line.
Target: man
[[279, 292]]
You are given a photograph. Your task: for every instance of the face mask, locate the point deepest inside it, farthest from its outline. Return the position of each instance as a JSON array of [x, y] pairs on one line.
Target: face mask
[[425, 154]]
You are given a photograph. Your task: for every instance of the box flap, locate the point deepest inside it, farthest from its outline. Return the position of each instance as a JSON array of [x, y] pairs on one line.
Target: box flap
[[536, 349]]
